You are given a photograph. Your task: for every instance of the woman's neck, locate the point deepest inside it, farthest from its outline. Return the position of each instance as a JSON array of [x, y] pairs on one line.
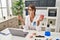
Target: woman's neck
[[31, 18]]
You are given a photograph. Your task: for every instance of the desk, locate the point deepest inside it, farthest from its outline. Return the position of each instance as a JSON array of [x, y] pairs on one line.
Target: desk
[[54, 35]]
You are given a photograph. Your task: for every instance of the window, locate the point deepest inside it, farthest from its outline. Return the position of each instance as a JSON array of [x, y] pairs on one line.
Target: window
[[5, 8], [0, 13], [10, 6], [0, 10], [4, 12], [41, 3], [4, 3]]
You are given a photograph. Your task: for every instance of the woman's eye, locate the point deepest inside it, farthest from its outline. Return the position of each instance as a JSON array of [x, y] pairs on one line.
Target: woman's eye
[[30, 9]]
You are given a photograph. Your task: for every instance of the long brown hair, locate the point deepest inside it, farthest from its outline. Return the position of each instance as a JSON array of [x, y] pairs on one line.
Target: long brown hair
[[33, 7]]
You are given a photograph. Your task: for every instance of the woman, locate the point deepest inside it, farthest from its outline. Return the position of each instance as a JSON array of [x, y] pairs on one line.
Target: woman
[[31, 18]]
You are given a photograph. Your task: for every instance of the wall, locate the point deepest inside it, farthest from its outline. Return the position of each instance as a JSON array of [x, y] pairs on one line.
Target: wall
[[58, 20]]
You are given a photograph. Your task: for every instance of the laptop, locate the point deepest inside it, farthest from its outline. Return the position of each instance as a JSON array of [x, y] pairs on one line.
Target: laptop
[[18, 33]]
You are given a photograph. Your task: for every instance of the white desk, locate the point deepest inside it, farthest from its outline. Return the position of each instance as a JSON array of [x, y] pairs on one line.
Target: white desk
[[10, 37]]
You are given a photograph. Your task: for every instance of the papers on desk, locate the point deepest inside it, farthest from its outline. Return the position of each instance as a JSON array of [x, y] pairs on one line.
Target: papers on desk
[[5, 37], [4, 33]]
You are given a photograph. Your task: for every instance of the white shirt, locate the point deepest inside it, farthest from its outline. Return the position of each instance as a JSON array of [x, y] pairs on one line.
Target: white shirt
[[29, 24]]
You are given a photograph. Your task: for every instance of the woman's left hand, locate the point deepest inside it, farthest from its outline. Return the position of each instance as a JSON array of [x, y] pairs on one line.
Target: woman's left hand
[[40, 19]]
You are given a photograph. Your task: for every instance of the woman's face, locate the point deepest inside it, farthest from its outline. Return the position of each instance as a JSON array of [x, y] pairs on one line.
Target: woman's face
[[31, 11]]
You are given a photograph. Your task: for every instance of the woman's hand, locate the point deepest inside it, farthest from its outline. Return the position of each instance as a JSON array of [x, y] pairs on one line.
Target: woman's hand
[[40, 19]]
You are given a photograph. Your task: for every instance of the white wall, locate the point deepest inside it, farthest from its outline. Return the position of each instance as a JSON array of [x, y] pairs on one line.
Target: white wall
[[58, 20], [39, 12]]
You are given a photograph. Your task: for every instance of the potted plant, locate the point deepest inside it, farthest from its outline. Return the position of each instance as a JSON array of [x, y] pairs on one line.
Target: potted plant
[[17, 8]]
